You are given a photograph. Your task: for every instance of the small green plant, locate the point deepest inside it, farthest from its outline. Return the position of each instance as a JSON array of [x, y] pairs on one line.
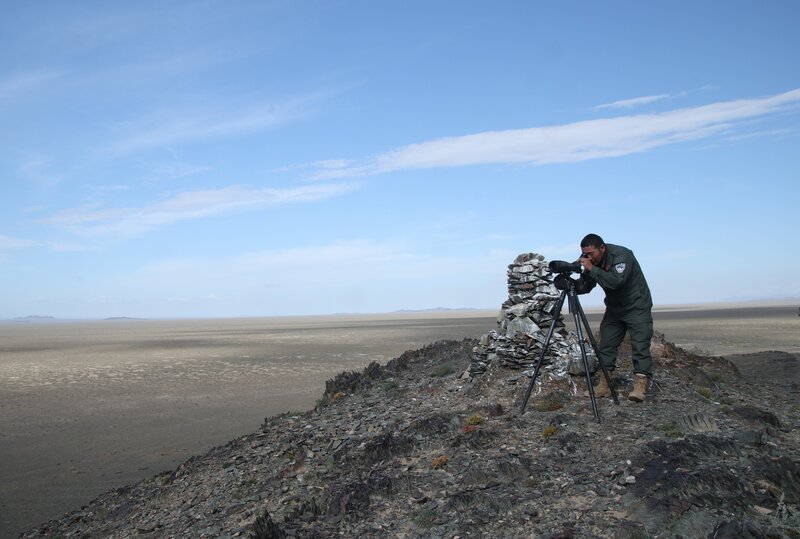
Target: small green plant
[[626, 364], [717, 377], [638, 533], [548, 405], [786, 520], [443, 370], [705, 392], [390, 385], [425, 517], [531, 482], [549, 431], [671, 430], [475, 420]]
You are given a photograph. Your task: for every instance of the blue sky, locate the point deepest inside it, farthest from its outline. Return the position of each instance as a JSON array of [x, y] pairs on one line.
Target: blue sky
[[202, 158]]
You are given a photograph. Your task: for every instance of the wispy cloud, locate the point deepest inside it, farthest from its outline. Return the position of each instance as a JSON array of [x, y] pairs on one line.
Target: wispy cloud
[[23, 83], [68, 247], [7, 243], [165, 129], [37, 168], [635, 102], [574, 142], [175, 170], [770, 133], [98, 221]]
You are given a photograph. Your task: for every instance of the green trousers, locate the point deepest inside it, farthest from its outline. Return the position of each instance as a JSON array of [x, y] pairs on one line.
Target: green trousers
[[639, 324]]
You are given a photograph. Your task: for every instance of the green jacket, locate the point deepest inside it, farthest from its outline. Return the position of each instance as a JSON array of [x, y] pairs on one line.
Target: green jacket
[[621, 277]]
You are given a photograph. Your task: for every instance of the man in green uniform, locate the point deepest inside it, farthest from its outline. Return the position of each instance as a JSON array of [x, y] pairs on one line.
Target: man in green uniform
[[628, 308]]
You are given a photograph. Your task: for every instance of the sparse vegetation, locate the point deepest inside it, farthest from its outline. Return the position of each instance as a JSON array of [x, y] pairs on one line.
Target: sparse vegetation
[[425, 517], [706, 392], [475, 420], [439, 462], [717, 377], [548, 405], [443, 370], [551, 402], [531, 482], [638, 533], [626, 364], [549, 431], [390, 385], [671, 430], [328, 398]]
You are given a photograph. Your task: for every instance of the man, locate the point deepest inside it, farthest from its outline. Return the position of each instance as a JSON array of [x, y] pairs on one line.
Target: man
[[628, 308]]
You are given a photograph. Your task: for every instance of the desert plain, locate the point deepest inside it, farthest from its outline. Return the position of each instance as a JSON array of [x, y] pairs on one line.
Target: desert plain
[[88, 406]]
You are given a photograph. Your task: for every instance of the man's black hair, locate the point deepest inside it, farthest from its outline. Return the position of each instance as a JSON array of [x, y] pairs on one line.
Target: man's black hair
[[592, 240]]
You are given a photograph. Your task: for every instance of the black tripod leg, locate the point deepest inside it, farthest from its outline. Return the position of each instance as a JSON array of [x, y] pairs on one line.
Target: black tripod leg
[[556, 313], [574, 308], [597, 352]]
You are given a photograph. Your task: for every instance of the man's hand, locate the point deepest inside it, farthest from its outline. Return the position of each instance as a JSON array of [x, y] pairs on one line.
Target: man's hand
[[586, 262]]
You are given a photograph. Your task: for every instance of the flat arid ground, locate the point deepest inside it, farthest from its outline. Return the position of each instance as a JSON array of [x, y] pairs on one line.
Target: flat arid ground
[[90, 406]]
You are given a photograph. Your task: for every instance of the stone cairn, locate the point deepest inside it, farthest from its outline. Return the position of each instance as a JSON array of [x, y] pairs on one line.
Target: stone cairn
[[523, 323]]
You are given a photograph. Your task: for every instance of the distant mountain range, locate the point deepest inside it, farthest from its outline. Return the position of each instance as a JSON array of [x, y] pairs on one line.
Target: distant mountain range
[[37, 318], [437, 310], [34, 318]]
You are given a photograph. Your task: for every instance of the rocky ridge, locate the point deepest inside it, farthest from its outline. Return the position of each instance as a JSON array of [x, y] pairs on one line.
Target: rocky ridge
[[413, 449]]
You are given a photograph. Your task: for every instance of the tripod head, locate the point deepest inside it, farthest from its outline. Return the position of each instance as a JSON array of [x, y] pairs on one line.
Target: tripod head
[[563, 281]]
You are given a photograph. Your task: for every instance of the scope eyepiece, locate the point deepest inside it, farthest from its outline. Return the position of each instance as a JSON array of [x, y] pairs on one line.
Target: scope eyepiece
[[562, 266]]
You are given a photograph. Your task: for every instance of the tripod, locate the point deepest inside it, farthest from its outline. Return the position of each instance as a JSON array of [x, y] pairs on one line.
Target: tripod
[[567, 287]]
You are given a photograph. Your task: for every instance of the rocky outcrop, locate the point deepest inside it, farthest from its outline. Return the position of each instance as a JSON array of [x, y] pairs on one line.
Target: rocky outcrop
[[411, 449]]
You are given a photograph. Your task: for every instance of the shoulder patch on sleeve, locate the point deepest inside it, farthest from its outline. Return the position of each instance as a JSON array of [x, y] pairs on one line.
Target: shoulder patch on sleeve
[[619, 268]]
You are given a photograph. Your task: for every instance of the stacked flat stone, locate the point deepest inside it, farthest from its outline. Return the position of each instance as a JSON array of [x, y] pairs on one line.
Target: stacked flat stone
[[524, 320]]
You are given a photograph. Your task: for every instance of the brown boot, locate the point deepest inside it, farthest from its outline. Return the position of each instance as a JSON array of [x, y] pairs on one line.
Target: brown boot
[[601, 389], [639, 392]]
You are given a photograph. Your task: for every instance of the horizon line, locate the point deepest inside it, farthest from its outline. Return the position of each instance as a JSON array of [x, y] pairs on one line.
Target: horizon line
[[478, 311]]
